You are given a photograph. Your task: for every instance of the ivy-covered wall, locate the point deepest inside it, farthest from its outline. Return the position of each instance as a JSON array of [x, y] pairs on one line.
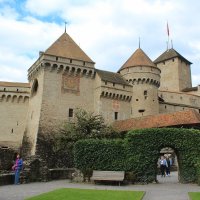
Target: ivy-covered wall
[[139, 151]]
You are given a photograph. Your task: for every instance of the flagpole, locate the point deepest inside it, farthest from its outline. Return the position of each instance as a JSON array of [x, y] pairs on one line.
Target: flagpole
[[168, 36]]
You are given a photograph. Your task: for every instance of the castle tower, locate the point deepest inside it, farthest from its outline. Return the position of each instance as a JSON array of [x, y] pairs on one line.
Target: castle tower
[[175, 71], [144, 76], [59, 79]]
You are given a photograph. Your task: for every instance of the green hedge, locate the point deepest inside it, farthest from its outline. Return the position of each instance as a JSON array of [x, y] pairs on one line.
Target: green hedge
[[147, 144], [99, 154], [139, 151]]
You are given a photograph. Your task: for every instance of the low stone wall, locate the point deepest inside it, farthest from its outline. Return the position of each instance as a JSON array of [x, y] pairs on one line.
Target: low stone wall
[[26, 176]]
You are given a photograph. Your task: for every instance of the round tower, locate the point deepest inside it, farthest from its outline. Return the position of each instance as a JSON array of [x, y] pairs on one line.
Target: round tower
[[144, 76]]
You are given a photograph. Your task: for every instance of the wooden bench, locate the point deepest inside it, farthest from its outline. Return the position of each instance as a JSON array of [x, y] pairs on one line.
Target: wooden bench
[[108, 176]]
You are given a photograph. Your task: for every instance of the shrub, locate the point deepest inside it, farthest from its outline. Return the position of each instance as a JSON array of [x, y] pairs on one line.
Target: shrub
[[139, 151]]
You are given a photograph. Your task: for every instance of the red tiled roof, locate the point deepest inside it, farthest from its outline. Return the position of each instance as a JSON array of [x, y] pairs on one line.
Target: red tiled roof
[[138, 58], [169, 54], [65, 47], [188, 117]]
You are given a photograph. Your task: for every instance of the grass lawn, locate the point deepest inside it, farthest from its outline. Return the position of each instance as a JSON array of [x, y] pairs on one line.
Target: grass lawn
[[194, 195], [82, 194]]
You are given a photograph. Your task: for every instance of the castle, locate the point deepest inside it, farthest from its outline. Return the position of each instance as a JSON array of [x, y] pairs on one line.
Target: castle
[[64, 78]]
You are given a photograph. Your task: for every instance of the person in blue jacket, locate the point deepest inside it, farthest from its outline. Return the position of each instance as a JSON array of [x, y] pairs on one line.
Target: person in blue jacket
[[17, 167]]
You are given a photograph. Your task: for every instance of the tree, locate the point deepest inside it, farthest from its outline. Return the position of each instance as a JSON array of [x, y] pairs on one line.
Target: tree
[[86, 125]]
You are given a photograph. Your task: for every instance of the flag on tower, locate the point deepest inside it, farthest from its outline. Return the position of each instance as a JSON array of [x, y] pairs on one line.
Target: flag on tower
[[167, 29]]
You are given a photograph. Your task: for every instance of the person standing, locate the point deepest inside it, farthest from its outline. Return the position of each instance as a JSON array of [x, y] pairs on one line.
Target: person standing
[[163, 164], [169, 163], [17, 167]]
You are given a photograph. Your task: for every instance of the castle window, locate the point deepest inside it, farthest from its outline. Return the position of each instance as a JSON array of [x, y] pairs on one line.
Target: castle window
[[173, 60], [12, 130], [70, 60], [124, 86], [34, 87], [84, 63], [164, 63], [113, 84], [141, 110], [56, 58], [136, 99], [4, 89], [106, 82], [17, 90], [165, 107], [71, 112], [145, 92], [116, 115]]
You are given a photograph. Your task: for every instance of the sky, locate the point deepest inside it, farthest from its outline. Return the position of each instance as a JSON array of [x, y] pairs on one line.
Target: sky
[[108, 31]]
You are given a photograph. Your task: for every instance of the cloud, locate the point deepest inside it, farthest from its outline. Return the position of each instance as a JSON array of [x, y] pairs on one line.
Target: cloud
[[16, 73], [106, 30], [21, 41], [45, 7], [196, 79]]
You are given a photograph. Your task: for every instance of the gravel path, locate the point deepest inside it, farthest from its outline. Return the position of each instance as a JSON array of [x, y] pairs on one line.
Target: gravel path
[[168, 188]]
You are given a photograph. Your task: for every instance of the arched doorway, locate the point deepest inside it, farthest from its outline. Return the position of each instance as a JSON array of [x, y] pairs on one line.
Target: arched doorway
[[171, 169]]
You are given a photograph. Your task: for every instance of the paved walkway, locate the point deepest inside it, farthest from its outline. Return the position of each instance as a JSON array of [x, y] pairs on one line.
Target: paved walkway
[[167, 189]]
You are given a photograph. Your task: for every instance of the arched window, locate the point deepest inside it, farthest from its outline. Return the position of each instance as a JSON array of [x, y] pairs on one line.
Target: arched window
[[34, 87]]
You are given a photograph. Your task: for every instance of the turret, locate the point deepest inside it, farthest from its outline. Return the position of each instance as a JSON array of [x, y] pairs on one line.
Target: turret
[[144, 76]]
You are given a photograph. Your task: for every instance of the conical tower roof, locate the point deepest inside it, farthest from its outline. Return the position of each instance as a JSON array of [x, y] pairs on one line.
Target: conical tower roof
[[169, 54], [65, 47], [138, 58]]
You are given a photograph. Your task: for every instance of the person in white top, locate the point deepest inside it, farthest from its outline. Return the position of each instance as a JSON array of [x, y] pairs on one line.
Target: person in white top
[[163, 165]]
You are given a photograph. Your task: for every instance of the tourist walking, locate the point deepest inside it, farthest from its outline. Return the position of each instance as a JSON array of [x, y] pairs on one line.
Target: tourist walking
[[168, 166], [17, 167], [163, 164]]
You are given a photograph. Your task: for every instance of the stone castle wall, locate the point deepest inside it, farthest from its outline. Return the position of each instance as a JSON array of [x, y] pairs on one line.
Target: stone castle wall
[[34, 109], [175, 75], [64, 91], [178, 101], [14, 102]]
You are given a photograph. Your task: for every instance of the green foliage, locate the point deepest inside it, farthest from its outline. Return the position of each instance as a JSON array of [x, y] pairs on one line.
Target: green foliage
[[86, 126], [77, 194], [194, 195], [198, 171], [104, 154], [139, 151]]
